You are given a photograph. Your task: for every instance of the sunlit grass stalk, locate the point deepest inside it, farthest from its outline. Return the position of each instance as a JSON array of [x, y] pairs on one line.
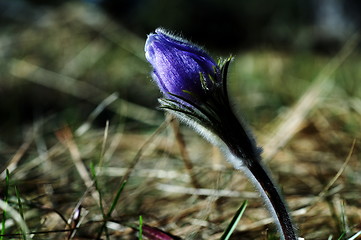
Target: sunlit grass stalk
[[355, 236]]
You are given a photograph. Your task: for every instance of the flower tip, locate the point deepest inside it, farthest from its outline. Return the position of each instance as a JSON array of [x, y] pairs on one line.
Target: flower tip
[[166, 35], [150, 39], [161, 30], [149, 46], [158, 34], [153, 36]]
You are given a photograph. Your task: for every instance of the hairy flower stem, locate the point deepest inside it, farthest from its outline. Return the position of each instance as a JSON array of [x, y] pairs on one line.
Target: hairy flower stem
[[258, 175], [194, 87]]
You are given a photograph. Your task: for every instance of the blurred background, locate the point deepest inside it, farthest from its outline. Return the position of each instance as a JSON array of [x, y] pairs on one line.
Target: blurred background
[[68, 67]]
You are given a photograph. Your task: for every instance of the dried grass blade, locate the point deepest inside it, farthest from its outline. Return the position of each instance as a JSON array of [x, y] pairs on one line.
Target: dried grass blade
[[338, 174], [291, 122]]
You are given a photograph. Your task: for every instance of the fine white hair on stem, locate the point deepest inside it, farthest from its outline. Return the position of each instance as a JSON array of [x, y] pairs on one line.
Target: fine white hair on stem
[[256, 183], [258, 175], [209, 136]]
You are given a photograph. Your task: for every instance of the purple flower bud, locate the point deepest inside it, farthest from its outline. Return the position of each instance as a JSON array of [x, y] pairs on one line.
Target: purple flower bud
[[195, 91], [181, 68]]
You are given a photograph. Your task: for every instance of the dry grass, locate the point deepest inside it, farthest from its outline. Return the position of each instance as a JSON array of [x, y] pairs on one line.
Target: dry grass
[[307, 119]]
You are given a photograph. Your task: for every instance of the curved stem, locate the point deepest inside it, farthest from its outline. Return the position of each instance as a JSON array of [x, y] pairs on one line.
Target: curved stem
[[245, 155], [225, 131], [272, 198]]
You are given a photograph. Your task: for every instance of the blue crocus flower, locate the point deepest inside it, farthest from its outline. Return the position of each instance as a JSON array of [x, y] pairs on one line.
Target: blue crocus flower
[[195, 90]]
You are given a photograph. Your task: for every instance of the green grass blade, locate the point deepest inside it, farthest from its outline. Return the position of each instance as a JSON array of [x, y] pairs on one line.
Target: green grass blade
[[95, 179], [342, 236], [344, 225], [140, 232], [21, 210], [6, 193], [115, 201], [227, 234]]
